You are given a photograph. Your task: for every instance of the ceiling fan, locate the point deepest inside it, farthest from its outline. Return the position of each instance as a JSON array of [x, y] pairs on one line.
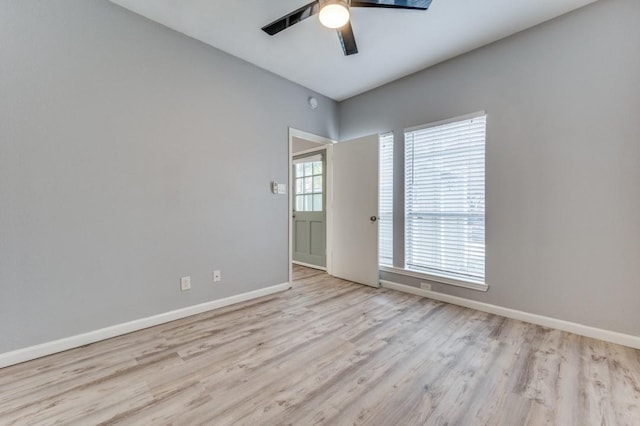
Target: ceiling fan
[[335, 14]]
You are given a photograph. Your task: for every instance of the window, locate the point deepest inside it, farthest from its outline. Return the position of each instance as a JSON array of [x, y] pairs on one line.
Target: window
[[445, 199], [385, 201], [308, 183]]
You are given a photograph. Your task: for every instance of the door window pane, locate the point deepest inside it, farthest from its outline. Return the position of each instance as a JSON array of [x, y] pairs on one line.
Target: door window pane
[[299, 203], [317, 184], [317, 202], [308, 203], [308, 169], [317, 167]]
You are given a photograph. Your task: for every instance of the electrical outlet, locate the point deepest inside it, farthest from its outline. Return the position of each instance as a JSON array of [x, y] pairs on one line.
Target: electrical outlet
[[185, 283], [425, 286], [217, 276]]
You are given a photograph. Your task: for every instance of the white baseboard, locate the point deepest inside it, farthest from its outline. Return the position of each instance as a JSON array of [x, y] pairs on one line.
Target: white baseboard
[[571, 327], [309, 265], [48, 348]]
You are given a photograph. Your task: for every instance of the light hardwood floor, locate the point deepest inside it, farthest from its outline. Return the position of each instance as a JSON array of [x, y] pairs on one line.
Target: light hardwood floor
[[337, 353]]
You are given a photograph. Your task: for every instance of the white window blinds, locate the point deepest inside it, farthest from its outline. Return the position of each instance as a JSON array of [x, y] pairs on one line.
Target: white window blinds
[[445, 199], [385, 201]]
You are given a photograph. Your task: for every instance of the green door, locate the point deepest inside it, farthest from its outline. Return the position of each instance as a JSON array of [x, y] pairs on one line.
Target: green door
[[309, 213]]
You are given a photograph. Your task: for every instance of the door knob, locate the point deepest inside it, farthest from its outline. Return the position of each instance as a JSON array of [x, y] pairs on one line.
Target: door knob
[[373, 218]]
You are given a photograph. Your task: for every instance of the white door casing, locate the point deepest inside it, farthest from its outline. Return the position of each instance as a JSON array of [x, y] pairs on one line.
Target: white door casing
[[323, 143]]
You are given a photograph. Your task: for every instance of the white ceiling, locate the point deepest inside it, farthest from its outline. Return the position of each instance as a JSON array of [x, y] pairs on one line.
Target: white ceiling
[[392, 43]]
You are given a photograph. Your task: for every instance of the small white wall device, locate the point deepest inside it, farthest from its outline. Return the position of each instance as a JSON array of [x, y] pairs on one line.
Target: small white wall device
[[278, 188]]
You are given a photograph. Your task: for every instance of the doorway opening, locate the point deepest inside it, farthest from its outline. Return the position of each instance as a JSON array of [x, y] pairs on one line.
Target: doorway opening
[[310, 201]]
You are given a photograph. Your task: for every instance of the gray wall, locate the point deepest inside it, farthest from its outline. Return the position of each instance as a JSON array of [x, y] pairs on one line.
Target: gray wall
[[563, 160], [131, 155]]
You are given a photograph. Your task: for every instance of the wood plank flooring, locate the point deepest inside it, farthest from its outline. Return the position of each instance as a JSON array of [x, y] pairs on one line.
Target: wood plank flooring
[[336, 353]]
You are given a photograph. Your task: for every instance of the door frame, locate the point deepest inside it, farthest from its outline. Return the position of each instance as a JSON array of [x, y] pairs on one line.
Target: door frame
[[323, 144]]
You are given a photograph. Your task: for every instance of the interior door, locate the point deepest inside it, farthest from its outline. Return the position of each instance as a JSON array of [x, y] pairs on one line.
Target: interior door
[[309, 212], [355, 211]]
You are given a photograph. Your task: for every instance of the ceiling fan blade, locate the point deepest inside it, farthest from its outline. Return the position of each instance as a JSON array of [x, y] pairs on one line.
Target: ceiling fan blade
[[292, 18], [393, 4], [347, 40]]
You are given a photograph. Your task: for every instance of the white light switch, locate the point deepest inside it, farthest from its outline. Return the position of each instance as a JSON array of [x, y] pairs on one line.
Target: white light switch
[[217, 276], [282, 188]]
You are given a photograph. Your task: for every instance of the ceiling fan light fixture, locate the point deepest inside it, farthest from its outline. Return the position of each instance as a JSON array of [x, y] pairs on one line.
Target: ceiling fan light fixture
[[334, 13]]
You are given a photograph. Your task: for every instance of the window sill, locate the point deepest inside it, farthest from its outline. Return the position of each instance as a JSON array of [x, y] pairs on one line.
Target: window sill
[[473, 285]]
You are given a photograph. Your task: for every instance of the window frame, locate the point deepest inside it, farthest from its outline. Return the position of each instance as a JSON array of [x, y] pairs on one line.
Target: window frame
[[443, 277], [387, 137]]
